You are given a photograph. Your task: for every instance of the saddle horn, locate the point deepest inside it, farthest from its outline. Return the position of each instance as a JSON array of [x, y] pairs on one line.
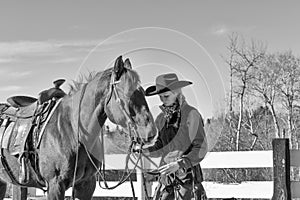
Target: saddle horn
[[57, 83]]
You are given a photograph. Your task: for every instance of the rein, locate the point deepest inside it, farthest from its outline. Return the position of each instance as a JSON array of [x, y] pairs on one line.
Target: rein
[[77, 153], [133, 135], [121, 104], [130, 122]]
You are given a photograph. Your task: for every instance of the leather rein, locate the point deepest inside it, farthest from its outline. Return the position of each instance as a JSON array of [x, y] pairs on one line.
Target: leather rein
[[133, 133]]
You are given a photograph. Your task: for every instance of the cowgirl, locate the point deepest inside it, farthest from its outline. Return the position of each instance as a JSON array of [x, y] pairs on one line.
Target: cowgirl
[[181, 142]]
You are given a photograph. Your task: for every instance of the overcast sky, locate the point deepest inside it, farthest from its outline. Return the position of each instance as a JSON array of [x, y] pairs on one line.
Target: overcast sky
[[44, 40]]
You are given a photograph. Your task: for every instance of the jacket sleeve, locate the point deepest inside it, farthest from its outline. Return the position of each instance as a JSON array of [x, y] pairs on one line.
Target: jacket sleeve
[[198, 140]]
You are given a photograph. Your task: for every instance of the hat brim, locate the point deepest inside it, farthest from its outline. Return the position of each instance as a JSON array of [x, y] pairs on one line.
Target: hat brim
[[152, 90]]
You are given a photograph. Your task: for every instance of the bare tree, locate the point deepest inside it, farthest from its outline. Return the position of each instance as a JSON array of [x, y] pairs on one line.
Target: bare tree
[[243, 61], [233, 39], [252, 123], [264, 85], [289, 85], [230, 61]]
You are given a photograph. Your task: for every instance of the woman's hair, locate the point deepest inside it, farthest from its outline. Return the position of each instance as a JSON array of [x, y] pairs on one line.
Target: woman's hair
[[180, 95]]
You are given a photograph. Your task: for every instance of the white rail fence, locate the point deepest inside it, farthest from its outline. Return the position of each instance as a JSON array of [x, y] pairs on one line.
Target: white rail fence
[[280, 159], [247, 159]]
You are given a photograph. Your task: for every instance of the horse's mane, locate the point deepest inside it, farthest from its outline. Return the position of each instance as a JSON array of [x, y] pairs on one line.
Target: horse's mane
[[105, 75], [76, 85]]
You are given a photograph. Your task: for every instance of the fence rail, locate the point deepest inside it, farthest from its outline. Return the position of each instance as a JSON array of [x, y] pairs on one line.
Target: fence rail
[[280, 159], [242, 159]]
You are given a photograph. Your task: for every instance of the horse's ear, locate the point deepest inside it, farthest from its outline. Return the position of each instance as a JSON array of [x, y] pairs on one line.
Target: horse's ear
[[119, 67], [127, 64]]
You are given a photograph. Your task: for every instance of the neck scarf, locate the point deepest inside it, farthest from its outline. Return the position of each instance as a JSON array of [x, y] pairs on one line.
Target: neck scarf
[[172, 114]]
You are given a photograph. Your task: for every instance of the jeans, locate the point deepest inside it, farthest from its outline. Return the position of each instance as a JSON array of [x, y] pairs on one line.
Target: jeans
[[179, 192]]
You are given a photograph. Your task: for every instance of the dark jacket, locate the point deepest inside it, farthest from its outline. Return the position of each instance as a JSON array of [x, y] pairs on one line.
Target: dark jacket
[[188, 141]]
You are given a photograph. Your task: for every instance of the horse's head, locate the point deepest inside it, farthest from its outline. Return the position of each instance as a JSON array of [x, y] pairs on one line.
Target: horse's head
[[126, 104]]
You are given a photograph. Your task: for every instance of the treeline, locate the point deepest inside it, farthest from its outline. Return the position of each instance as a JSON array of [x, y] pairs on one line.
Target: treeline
[[263, 103], [264, 97]]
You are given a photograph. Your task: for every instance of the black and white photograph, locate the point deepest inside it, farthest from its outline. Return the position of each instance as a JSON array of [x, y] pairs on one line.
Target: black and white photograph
[[149, 100]]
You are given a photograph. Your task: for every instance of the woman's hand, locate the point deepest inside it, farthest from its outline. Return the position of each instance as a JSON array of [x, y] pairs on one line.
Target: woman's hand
[[170, 168], [141, 150], [145, 152]]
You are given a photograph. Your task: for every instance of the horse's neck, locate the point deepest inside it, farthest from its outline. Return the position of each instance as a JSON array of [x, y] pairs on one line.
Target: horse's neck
[[88, 114]]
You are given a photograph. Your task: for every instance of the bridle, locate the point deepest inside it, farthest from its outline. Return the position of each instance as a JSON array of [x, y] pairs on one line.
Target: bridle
[[133, 133], [132, 128]]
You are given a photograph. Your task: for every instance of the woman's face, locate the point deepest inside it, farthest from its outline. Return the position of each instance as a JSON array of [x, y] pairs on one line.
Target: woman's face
[[168, 98]]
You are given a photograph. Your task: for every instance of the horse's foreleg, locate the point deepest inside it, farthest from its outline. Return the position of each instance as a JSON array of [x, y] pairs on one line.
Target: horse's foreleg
[[56, 190], [3, 186], [85, 189]]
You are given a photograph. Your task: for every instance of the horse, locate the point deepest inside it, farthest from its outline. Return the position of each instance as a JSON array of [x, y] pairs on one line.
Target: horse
[[71, 149]]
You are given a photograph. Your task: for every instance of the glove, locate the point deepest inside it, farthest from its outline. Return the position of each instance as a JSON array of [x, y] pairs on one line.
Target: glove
[[137, 150], [173, 156], [141, 150]]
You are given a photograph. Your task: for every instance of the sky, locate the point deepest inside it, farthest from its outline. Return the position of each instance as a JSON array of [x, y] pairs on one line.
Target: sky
[[41, 41]]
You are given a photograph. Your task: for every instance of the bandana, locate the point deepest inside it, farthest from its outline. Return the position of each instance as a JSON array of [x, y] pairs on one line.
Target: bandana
[[172, 114]]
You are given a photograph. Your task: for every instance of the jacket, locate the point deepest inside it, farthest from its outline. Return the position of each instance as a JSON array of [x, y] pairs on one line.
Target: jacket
[[186, 142]]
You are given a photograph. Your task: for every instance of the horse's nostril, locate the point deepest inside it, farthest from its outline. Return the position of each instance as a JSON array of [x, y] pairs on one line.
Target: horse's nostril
[[147, 120]]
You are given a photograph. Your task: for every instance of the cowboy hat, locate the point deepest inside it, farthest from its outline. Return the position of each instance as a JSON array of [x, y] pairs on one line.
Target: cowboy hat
[[164, 83]]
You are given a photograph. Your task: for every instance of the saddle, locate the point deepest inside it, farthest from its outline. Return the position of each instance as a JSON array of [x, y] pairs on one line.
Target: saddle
[[54, 92], [21, 101], [21, 124]]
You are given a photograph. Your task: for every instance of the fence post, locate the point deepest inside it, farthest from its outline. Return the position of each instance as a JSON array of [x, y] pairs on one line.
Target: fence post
[[142, 185], [148, 184], [139, 180], [19, 193], [3, 187], [281, 169]]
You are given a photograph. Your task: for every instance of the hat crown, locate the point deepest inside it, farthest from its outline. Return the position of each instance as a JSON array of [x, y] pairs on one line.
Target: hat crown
[[165, 80]]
